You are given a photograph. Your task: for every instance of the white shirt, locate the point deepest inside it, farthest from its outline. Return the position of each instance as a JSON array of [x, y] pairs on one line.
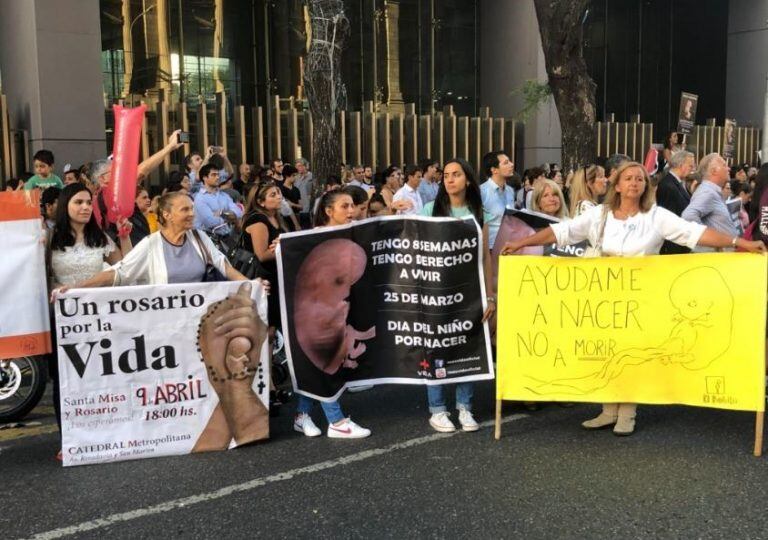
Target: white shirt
[[79, 262], [407, 193], [641, 234], [584, 206]]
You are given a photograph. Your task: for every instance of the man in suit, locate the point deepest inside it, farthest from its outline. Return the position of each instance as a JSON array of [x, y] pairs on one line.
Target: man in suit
[[671, 193]]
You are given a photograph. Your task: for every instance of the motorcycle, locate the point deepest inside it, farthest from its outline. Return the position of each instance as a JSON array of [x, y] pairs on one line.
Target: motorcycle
[[22, 384]]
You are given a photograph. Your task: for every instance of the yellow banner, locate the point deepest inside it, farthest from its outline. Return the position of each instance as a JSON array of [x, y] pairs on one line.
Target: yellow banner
[[686, 329]]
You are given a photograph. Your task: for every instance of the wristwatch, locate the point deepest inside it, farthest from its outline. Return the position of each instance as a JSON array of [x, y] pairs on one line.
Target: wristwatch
[[733, 242], [491, 299]]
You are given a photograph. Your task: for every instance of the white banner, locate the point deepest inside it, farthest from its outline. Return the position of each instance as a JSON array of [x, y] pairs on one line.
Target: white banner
[[24, 322], [153, 371]]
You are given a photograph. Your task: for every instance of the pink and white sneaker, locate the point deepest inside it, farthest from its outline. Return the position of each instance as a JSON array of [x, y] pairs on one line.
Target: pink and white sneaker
[[347, 430]]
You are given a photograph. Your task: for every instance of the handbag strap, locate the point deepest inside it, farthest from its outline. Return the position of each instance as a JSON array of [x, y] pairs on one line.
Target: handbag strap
[[239, 243], [203, 249]]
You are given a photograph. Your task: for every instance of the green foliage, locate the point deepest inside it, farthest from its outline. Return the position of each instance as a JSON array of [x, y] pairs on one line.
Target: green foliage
[[534, 94]]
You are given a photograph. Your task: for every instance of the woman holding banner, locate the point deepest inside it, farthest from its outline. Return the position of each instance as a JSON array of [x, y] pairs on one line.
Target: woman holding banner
[[459, 196], [77, 248], [629, 224], [179, 254], [587, 186], [334, 208]]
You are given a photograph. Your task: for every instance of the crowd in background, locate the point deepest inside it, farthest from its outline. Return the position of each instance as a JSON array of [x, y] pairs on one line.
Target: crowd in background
[[209, 209]]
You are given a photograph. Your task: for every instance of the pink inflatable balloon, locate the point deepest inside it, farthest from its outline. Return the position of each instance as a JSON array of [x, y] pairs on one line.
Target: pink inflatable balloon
[[120, 193], [651, 160]]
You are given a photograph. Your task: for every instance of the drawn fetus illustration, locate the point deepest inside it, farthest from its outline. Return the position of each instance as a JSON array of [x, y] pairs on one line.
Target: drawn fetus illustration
[[702, 333], [323, 285]]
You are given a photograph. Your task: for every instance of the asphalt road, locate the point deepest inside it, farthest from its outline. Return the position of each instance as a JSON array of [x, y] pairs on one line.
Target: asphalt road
[[686, 473]]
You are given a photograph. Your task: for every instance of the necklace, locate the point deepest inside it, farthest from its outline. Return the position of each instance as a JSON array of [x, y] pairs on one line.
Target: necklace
[[622, 214]]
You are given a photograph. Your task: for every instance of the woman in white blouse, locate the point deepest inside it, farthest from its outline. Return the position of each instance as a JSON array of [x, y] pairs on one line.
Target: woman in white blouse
[[78, 249], [629, 224]]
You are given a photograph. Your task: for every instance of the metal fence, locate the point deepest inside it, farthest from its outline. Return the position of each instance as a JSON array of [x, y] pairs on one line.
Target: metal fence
[[634, 138], [370, 136]]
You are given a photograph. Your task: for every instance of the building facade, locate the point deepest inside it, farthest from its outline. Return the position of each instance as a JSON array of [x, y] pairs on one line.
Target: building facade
[[62, 62]]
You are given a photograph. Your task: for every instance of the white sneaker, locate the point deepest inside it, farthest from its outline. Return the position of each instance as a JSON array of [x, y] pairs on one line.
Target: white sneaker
[[356, 389], [441, 422], [347, 430], [303, 424], [467, 421]]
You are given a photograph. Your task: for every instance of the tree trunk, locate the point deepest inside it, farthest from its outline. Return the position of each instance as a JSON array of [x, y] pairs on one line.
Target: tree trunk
[[560, 26], [325, 90]]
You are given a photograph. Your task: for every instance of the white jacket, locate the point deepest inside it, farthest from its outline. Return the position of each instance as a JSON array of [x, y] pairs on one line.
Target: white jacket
[[145, 263]]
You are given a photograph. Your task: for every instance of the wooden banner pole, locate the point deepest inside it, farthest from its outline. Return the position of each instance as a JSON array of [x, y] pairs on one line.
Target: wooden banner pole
[[759, 418], [497, 431]]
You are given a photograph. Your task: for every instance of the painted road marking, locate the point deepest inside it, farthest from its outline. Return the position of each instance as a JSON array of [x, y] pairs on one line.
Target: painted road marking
[[252, 484]]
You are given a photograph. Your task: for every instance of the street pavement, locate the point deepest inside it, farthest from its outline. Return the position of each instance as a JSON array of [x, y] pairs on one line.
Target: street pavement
[[686, 473]]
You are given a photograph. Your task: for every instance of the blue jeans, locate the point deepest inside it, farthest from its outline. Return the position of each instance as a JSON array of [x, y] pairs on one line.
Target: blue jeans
[[436, 397], [332, 410]]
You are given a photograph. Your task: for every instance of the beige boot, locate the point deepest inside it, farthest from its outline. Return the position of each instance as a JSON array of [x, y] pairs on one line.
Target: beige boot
[[605, 419], [625, 425]]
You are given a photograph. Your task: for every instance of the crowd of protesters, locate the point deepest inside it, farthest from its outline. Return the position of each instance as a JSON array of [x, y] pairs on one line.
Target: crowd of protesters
[[209, 207]]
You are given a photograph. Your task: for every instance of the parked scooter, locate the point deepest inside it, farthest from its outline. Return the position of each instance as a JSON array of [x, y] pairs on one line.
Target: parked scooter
[[22, 384]]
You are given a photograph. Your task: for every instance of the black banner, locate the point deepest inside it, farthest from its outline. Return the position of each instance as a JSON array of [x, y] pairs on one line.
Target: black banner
[[519, 224], [686, 116], [729, 138], [397, 299]]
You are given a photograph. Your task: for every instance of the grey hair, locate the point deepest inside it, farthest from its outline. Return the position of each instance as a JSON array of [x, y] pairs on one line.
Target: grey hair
[[614, 162], [303, 162], [678, 158], [706, 164], [98, 168]]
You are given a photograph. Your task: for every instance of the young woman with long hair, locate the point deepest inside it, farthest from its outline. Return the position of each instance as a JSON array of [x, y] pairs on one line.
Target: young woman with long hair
[[263, 224], [78, 249], [587, 186], [459, 196], [334, 208]]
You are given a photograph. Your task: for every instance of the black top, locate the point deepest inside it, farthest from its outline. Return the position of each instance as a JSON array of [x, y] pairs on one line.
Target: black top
[[290, 193], [272, 232], [672, 195], [140, 226]]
